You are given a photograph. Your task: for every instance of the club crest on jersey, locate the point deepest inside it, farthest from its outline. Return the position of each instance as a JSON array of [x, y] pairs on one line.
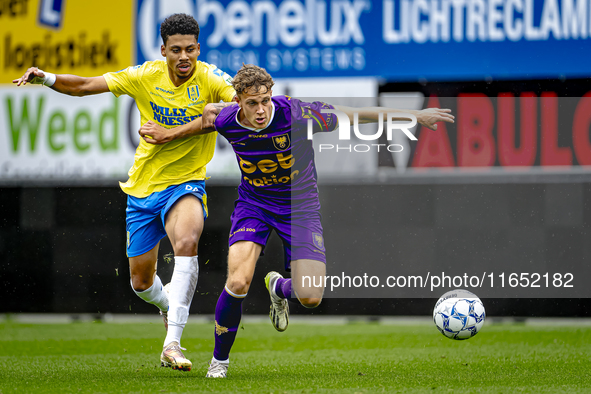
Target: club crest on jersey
[[282, 141], [318, 240], [193, 92]]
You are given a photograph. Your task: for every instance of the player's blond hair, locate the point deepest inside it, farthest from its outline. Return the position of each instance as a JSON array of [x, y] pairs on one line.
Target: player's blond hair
[[252, 77]]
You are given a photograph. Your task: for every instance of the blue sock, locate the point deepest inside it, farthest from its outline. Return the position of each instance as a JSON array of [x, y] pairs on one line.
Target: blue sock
[[228, 312]]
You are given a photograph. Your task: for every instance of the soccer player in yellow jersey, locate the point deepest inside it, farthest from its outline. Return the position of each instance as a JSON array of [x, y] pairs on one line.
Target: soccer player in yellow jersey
[[166, 187]]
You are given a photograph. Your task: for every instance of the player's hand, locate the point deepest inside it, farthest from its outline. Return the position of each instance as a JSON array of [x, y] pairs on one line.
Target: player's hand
[[210, 112], [155, 134], [430, 116], [29, 76]]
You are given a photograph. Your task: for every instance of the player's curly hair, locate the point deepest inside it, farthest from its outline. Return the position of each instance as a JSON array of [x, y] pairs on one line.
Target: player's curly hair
[[251, 76], [179, 24]]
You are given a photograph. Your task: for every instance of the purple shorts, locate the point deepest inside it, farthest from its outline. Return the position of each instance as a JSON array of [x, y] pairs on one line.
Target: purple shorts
[[301, 232]]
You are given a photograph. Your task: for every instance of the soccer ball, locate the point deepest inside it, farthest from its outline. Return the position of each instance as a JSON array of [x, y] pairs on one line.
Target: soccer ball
[[459, 314]]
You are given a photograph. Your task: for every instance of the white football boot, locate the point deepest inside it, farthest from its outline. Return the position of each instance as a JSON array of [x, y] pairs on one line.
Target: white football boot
[[279, 313], [217, 369]]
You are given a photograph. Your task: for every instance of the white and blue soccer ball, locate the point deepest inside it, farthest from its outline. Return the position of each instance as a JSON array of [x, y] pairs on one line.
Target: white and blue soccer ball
[[459, 314]]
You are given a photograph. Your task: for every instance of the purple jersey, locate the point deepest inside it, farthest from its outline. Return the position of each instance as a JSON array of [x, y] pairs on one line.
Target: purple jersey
[[277, 162]]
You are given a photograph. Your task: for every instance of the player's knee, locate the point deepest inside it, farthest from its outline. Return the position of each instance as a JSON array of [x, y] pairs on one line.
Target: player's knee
[[186, 246], [312, 302], [238, 285], [141, 282]]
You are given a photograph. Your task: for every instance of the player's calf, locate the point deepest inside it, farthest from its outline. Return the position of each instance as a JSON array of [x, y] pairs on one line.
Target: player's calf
[[155, 294], [181, 290], [308, 281], [164, 314], [309, 296]]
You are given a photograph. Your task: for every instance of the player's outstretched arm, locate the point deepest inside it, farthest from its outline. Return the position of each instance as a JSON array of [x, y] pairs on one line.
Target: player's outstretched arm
[[155, 134], [429, 117], [426, 117], [72, 85]]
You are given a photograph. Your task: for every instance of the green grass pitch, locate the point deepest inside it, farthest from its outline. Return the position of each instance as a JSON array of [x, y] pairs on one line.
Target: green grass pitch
[[307, 358]]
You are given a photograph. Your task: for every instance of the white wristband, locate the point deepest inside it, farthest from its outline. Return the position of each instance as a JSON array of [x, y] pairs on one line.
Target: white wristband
[[48, 80]]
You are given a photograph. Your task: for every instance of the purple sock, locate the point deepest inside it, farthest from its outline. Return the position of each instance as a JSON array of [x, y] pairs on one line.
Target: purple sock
[[228, 312], [283, 288]]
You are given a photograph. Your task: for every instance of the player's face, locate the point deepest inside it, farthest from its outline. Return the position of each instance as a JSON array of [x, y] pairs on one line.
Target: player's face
[[181, 52], [256, 107]]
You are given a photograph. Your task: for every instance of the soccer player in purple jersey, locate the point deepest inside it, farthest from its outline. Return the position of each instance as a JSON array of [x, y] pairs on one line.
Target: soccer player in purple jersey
[[278, 192]]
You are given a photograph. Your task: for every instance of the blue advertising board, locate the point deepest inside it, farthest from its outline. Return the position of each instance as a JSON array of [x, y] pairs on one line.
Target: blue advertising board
[[398, 40]]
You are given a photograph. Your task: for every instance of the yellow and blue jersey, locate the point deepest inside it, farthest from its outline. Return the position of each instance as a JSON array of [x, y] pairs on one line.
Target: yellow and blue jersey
[[157, 167]]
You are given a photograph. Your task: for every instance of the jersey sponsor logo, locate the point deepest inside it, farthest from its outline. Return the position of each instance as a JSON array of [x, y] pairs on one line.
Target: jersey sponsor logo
[[268, 166], [243, 229], [193, 92], [192, 188], [258, 136], [166, 111], [163, 97], [171, 116], [164, 90], [318, 240], [272, 180], [282, 142]]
